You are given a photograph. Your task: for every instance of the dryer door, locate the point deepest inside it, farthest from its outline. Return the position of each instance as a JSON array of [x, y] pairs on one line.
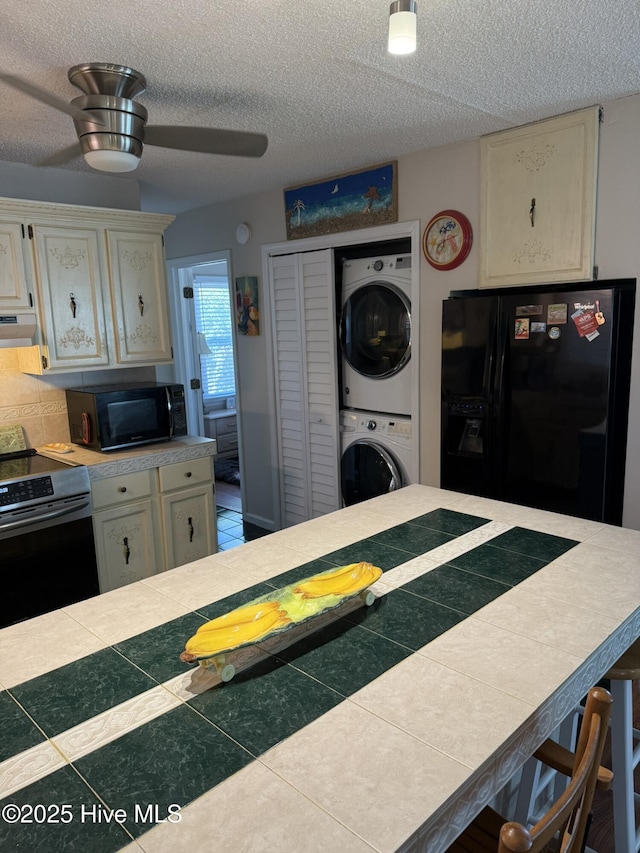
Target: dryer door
[[368, 470], [375, 330]]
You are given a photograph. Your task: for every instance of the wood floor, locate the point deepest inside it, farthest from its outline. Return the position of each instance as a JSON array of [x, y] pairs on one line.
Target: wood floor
[[228, 496]]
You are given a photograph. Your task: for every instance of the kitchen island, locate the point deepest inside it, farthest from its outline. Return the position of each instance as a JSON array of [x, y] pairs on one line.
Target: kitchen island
[[387, 729]]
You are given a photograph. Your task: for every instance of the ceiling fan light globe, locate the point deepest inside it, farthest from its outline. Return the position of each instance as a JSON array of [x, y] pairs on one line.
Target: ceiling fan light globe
[[111, 161]]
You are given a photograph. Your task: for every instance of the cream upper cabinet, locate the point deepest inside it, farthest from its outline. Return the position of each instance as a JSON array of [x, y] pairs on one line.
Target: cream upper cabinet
[[96, 280], [538, 201], [14, 285], [139, 297], [69, 271]]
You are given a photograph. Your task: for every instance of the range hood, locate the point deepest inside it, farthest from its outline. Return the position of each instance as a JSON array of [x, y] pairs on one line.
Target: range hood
[[17, 330]]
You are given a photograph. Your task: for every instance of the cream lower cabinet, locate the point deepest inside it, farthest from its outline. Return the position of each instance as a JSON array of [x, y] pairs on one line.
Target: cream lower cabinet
[[145, 522], [124, 524], [187, 502]]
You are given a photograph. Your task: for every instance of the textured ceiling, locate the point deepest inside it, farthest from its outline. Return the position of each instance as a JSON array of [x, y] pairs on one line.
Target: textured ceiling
[[315, 76]]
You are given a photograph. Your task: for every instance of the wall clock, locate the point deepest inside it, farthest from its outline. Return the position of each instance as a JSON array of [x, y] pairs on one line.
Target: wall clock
[[447, 239]]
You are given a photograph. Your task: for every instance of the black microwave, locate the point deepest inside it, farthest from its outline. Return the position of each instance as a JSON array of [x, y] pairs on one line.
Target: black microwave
[[110, 417]]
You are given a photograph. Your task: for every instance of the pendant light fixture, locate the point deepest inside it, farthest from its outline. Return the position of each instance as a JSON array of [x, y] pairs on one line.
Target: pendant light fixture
[[402, 26]]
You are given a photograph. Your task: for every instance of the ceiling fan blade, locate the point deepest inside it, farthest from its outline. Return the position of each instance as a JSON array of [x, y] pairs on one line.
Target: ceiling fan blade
[[45, 97], [62, 156], [208, 140]]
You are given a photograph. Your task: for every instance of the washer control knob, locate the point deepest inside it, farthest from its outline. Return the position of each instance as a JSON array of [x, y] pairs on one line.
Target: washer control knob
[[378, 265], [371, 425]]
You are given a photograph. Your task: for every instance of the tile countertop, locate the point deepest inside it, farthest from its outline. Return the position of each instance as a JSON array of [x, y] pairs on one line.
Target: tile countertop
[[114, 462], [386, 730]]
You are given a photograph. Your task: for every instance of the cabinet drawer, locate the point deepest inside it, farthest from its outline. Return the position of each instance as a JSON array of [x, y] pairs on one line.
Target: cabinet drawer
[[226, 426], [184, 474], [227, 443], [113, 491]]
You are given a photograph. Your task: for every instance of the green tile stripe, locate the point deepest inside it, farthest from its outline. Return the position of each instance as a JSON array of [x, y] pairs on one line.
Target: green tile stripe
[[227, 728]]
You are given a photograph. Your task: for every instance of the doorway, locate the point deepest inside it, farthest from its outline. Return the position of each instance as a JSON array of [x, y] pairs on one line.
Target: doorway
[[203, 303]]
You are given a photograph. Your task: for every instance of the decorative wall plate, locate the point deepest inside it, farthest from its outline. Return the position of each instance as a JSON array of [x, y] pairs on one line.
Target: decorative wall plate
[[243, 233], [447, 239]]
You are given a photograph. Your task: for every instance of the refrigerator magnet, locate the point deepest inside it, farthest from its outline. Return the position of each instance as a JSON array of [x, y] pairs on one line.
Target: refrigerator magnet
[[538, 327], [554, 333], [523, 310], [586, 324], [557, 313], [522, 329]]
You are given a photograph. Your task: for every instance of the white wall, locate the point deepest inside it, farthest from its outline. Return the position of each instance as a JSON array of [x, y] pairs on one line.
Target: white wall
[[212, 229], [618, 253], [428, 181], [65, 187]]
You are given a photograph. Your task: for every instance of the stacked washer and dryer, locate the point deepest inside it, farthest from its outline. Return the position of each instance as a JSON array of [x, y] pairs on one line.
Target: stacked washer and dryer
[[376, 376]]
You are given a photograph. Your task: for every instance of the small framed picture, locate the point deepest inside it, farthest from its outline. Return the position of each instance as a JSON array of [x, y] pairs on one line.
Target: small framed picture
[[247, 305]]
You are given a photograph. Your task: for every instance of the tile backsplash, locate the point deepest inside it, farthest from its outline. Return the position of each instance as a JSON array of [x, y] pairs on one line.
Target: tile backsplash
[[38, 403]]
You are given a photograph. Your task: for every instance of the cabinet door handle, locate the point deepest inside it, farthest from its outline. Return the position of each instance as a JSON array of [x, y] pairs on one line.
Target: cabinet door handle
[[532, 211], [141, 304], [122, 489], [188, 474], [191, 531], [127, 550], [72, 305]]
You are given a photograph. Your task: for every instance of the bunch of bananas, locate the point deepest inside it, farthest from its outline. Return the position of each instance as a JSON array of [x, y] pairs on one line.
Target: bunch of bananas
[[347, 580], [246, 624]]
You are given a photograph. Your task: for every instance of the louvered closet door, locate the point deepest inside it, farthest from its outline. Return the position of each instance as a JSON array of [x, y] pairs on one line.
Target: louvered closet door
[[304, 342]]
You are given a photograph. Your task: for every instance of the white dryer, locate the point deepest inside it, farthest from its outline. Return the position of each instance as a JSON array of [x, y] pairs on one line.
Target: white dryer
[[376, 454], [375, 334]]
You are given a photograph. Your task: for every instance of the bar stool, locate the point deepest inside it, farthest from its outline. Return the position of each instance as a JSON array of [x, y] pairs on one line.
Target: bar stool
[[625, 749], [625, 755]]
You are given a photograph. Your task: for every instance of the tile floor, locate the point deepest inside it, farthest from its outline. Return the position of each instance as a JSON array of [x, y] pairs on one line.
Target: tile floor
[[230, 529]]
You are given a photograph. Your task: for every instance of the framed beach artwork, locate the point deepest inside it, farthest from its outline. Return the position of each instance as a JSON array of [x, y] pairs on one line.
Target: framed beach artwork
[[342, 202], [247, 305]]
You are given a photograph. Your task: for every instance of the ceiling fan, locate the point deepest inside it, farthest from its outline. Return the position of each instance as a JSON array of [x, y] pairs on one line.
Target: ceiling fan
[[112, 127]]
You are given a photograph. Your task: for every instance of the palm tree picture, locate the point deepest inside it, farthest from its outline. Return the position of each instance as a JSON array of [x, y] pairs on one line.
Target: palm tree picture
[[342, 202]]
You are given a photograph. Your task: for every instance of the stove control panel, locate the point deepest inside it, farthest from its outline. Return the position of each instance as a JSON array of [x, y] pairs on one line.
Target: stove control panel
[[25, 490]]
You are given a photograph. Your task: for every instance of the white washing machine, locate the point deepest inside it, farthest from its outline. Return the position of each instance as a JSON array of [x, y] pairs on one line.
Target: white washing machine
[[375, 334], [375, 454]]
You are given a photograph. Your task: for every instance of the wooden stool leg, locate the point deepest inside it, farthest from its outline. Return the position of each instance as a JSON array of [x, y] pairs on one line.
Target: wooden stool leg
[[622, 763]]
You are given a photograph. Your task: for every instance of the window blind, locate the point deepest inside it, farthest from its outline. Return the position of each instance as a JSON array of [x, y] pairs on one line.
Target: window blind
[[214, 319]]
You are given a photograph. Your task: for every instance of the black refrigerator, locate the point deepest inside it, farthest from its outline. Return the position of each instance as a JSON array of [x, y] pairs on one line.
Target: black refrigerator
[[535, 395]]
